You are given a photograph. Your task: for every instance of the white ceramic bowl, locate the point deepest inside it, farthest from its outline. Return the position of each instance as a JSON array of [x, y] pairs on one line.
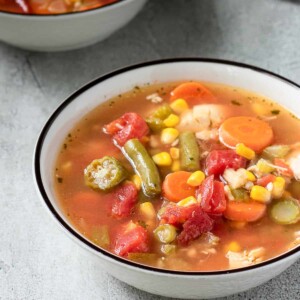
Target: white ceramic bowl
[[66, 31], [163, 282]]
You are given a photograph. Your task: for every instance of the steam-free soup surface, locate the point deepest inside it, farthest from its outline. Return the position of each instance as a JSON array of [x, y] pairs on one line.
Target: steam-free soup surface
[[219, 201]]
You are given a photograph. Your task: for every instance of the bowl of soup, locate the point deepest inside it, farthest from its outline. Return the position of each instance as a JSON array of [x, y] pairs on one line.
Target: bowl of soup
[[180, 175], [59, 25]]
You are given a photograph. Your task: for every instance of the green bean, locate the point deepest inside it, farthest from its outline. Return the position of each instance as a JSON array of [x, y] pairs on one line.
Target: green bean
[[286, 211], [144, 166], [165, 233], [189, 151], [104, 173]]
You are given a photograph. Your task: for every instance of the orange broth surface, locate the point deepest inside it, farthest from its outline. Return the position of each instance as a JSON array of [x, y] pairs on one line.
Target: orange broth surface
[[88, 209]]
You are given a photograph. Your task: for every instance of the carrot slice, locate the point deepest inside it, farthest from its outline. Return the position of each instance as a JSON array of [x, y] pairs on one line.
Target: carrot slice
[[252, 132], [175, 187], [244, 211], [193, 93]]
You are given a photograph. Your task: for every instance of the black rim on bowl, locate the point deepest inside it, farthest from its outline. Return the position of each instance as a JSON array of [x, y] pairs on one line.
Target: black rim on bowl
[[56, 215], [63, 14]]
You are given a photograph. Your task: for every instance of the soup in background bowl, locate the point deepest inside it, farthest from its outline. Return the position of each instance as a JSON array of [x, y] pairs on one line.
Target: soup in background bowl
[[179, 173], [60, 27]]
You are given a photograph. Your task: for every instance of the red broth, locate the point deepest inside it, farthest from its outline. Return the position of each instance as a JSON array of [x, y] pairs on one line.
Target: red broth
[[228, 243], [41, 7]]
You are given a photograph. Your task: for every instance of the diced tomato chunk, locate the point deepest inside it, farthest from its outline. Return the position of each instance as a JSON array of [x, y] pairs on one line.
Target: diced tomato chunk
[[265, 180], [177, 215], [285, 169], [219, 160], [129, 126], [212, 195], [197, 224], [132, 238], [125, 198]]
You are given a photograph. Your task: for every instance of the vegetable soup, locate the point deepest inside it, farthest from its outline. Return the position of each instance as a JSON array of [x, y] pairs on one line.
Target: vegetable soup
[[50, 6], [184, 176]]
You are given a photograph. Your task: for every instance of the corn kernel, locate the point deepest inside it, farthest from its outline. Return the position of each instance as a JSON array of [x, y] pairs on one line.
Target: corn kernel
[[179, 106], [250, 176], [175, 166], [147, 210], [278, 187], [174, 152], [136, 181], [187, 201], [162, 159], [169, 135], [234, 247], [244, 151], [264, 166], [171, 121], [260, 194], [196, 178]]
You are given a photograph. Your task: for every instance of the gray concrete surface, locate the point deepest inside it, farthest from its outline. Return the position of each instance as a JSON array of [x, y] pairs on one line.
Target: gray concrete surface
[[37, 261]]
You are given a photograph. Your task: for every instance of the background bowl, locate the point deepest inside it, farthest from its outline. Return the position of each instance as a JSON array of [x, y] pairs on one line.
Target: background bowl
[[163, 282], [66, 31]]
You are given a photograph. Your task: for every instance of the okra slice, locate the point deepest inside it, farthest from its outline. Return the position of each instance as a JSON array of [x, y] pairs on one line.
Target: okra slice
[[104, 173]]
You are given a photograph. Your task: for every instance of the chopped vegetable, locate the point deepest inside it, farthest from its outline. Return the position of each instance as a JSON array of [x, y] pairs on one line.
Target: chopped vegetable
[[165, 233], [250, 176], [162, 159], [174, 152], [246, 130], [276, 151], [104, 173], [283, 168], [147, 210], [244, 211], [193, 93], [175, 166], [286, 211], [100, 236], [189, 152], [176, 188], [155, 124], [264, 166], [261, 194], [129, 126], [171, 121], [124, 199], [136, 180], [169, 135], [244, 151], [187, 201], [198, 223], [168, 249], [265, 180], [240, 194], [162, 112], [144, 167], [212, 196], [278, 187], [196, 178], [219, 160], [179, 106], [235, 179], [131, 238]]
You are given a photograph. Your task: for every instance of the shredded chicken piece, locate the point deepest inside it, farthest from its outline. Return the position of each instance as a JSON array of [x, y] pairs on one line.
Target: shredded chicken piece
[[155, 98], [236, 178], [245, 258], [293, 160]]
